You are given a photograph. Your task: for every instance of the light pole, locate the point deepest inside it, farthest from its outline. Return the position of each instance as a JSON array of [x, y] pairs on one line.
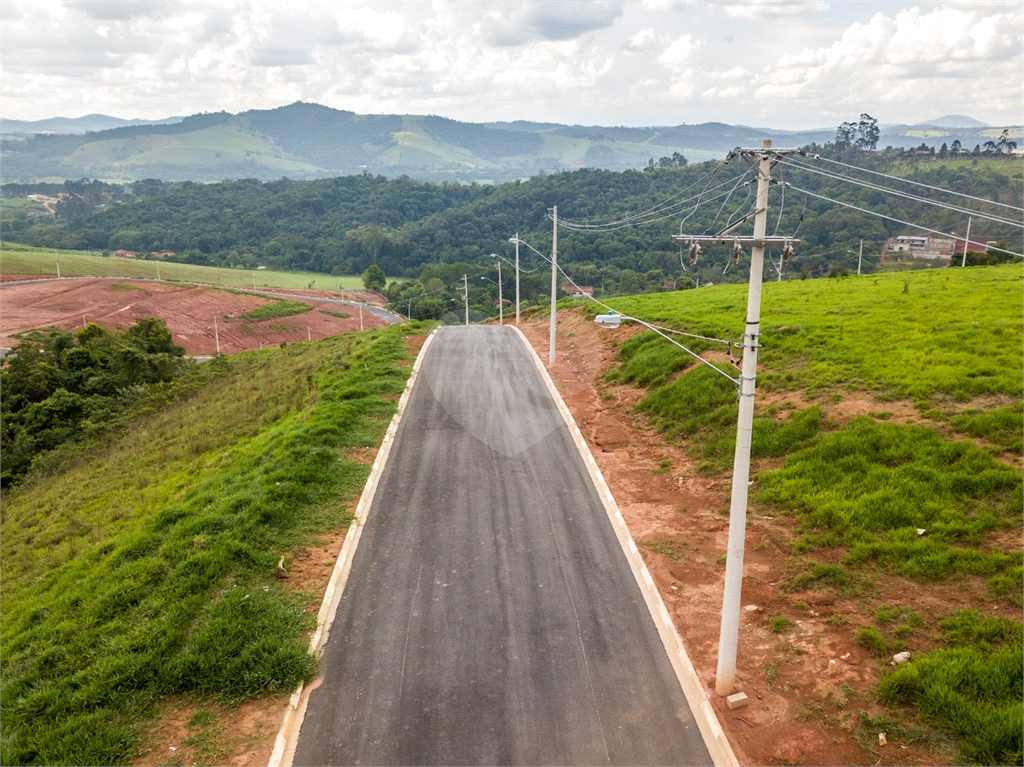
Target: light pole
[[465, 296], [501, 306], [517, 242], [554, 284], [517, 278]]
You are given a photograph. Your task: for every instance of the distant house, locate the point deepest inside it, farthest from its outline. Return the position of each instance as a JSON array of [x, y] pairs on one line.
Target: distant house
[[929, 248], [578, 291], [125, 254]]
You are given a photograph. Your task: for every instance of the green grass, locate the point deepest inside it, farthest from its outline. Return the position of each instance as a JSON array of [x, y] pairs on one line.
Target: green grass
[[956, 332], [1003, 426], [143, 564], [22, 259], [870, 486], [342, 315], [280, 308], [971, 688]]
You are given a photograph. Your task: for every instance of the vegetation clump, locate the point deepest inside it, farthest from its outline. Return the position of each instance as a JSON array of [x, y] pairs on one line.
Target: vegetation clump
[[64, 385], [971, 688], [279, 308]]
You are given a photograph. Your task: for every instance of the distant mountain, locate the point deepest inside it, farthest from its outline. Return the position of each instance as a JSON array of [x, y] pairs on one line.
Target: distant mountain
[[75, 125], [954, 121], [302, 141]]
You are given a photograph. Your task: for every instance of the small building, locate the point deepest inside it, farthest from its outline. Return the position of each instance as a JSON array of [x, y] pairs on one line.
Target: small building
[[124, 254], [929, 248], [578, 291]]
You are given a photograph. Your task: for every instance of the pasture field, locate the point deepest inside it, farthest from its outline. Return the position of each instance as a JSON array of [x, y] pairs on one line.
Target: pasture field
[[144, 564], [919, 479], [22, 259]]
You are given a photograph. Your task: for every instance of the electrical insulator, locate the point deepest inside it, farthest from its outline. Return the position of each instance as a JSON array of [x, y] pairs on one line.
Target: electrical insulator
[[787, 251], [694, 252], [736, 251]]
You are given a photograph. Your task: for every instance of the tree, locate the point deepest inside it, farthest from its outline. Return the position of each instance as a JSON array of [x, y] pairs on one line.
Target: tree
[[868, 132], [374, 278], [954, 148], [1005, 143], [863, 134], [371, 237]]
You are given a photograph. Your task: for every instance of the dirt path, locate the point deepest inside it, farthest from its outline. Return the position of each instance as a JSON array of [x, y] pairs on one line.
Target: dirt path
[[188, 310], [798, 712]]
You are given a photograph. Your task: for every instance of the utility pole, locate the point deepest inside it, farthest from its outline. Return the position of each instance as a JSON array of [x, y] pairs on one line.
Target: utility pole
[[501, 305], [465, 296], [860, 256], [216, 335], [517, 279], [158, 270], [254, 280], [554, 285], [725, 678], [408, 314], [967, 241], [58, 262], [360, 317], [308, 336]]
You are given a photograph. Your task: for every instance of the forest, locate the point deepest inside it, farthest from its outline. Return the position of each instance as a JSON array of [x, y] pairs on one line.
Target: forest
[[438, 232]]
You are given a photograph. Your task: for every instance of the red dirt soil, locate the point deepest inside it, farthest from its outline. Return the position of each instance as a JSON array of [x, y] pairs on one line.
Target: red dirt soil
[[188, 310]]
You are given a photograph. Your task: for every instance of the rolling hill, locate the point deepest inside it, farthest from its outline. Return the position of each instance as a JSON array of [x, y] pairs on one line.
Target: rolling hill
[[303, 141]]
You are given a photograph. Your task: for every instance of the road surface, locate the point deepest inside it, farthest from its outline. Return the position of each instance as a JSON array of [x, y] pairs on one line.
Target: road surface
[[491, 616]]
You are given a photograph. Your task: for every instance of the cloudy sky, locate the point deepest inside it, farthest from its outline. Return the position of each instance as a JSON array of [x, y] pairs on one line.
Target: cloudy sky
[[772, 63]]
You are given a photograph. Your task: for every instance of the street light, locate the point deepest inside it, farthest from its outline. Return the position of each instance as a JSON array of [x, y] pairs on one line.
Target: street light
[[517, 242], [501, 305]]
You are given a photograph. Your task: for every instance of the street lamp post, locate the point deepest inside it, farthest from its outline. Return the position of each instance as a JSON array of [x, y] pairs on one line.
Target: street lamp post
[[501, 305]]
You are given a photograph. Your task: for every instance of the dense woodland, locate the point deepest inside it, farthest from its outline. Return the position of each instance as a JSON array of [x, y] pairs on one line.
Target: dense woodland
[[438, 232]]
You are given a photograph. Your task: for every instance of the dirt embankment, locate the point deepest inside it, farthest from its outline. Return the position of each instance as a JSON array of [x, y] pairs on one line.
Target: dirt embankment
[[188, 310], [798, 713]]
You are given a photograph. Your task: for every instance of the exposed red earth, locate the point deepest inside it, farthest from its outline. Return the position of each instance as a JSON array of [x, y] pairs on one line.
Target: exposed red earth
[[188, 310]]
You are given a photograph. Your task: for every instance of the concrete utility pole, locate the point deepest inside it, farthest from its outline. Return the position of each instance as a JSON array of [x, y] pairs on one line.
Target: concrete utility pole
[[725, 678], [501, 304], [967, 241], [308, 336], [554, 284], [216, 335], [158, 270], [360, 318], [860, 256], [465, 296], [517, 279]]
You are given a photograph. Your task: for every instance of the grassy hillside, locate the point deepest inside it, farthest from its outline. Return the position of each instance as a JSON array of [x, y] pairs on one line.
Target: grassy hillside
[[22, 259], [933, 495], [143, 565]]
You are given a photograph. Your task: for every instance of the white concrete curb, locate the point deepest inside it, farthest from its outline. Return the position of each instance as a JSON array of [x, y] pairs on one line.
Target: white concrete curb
[[707, 721], [287, 737]]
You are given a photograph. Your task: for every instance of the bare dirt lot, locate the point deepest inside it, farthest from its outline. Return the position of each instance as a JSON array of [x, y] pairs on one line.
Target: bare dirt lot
[[188, 310], [799, 712]]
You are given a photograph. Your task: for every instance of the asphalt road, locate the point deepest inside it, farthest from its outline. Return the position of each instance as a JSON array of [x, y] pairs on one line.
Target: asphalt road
[[491, 616]]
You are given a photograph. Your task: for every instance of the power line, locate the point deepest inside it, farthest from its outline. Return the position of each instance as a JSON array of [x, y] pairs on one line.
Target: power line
[[658, 205], [635, 220], [658, 330], [918, 183], [905, 195], [900, 221]]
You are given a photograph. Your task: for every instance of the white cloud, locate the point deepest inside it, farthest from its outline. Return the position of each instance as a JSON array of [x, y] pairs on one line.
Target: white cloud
[[677, 56], [546, 20], [638, 62]]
